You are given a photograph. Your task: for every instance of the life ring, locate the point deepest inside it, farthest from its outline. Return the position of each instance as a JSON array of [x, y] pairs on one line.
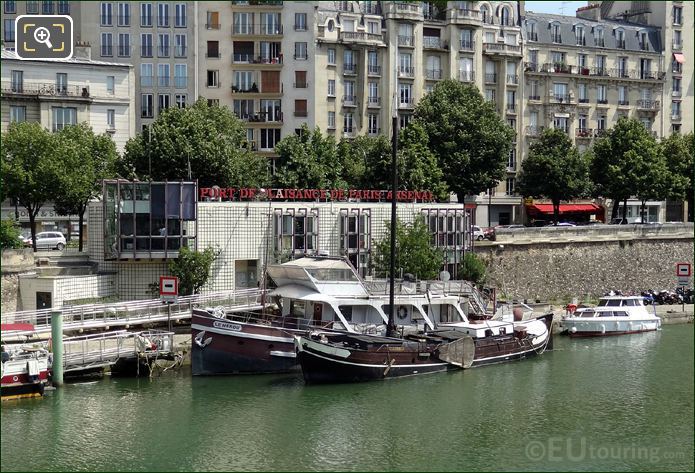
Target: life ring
[[402, 312]]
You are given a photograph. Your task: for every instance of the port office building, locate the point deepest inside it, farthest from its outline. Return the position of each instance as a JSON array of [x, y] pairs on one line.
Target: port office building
[[139, 226]]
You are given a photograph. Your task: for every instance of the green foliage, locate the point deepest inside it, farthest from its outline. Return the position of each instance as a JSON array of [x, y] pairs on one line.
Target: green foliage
[[211, 137], [678, 151], [308, 160], [554, 170], [9, 235], [621, 158], [362, 160], [86, 159], [414, 253], [192, 268], [472, 268], [467, 135], [31, 166]]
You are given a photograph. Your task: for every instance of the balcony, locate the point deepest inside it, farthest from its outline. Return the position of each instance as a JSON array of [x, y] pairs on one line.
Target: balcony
[[373, 102], [502, 49], [535, 98], [464, 16], [511, 108], [584, 133], [257, 3], [408, 41], [512, 79], [648, 75], [373, 131], [599, 132], [602, 101], [262, 29], [677, 68], [406, 102], [561, 98], [433, 74], [675, 116], [466, 76], [534, 130], [599, 71], [676, 93], [648, 105], [490, 78], [531, 67], [431, 42], [349, 101], [45, 90], [557, 68], [583, 100], [467, 44], [361, 37], [248, 89], [350, 69], [677, 46], [244, 58], [403, 11], [623, 103], [271, 116], [406, 71], [212, 26], [373, 70]]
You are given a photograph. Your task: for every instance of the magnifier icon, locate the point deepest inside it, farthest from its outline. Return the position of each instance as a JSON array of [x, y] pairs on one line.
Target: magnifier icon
[[43, 36]]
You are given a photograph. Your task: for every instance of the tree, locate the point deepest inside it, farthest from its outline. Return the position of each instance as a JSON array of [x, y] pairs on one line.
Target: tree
[[466, 134], [308, 161], [361, 160], [678, 151], [414, 253], [619, 159], [30, 167], [192, 268], [9, 235], [554, 170], [209, 139], [87, 159], [473, 269]]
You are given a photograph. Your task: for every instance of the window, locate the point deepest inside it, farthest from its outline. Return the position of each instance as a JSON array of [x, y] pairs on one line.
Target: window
[[106, 44], [213, 78], [124, 44], [598, 37], [601, 122], [331, 120], [622, 66], [64, 116], [32, 7], [296, 231], [10, 6], [644, 41], [510, 185], [145, 14], [490, 95], [180, 100], [180, 45], [146, 44], [677, 40], [646, 69], [620, 38], [331, 56], [583, 93], [63, 7], [243, 23], [373, 63], [534, 91], [146, 74], [677, 15], [511, 73], [601, 94], [676, 86], [61, 83], [447, 230], [404, 120], [555, 33], [489, 37], [348, 123], [466, 69], [349, 59], [180, 76], [147, 105], [124, 14], [349, 91], [111, 119], [243, 108], [582, 62], [106, 14], [583, 122], [466, 39], [405, 93], [331, 87], [163, 15], [164, 102], [373, 124], [213, 49], [163, 46], [300, 108], [18, 114], [405, 34], [600, 65], [17, 84], [373, 27], [300, 79], [269, 138], [507, 18], [300, 51], [511, 158], [180, 15], [163, 75], [406, 64], [243, 81], [511, 101], [355, 237], [531, 31], [561, 123], [579, 32], [271, 110], [373, 88], [270, 24], [300, 21], [47, 7], [622, 95], [485, 14], [675, 110], [558, 58], [110, 85], [490, 73], [213, 20]]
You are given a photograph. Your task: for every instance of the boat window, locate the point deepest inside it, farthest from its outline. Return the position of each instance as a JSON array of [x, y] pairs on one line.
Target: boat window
[[297, 309], [606, 313], [612, 303], [630, 302], [602, 303], [588, 313], [332, 274], [620, 313], [346, 310]]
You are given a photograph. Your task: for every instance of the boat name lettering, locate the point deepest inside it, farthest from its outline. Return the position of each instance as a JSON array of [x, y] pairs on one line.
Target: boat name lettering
[[227, 326]]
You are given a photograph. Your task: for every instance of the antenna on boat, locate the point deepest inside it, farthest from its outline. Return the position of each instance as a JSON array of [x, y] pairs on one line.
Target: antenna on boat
[[391, 326]]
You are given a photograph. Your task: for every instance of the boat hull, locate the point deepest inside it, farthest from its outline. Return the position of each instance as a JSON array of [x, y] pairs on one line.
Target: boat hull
[[591, 327], [17, 383], [221, 347]]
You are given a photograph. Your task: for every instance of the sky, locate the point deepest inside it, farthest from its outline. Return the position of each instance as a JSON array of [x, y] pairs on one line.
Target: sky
[[559, 8]]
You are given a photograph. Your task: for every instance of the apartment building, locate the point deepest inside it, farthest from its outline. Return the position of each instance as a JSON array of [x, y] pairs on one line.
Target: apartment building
[[157, 38]]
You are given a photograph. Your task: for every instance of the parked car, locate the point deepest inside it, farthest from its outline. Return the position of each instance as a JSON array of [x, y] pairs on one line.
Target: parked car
[[478, 233], [48, 240]]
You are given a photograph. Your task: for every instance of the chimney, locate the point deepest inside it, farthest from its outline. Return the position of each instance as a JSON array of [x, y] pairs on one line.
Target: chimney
[[82, 50]]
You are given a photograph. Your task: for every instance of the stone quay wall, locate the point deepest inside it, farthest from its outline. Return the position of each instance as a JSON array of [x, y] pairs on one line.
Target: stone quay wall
[[14, 263], [581, 266]]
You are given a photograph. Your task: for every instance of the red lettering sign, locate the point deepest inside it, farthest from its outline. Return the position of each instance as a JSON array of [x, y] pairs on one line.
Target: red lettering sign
[[365, 195]]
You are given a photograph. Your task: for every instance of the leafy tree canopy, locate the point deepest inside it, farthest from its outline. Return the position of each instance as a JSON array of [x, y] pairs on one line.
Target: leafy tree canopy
[[212, 138], [193, 269], [678, 151], [469, 138], [9, 235], [472, 268]]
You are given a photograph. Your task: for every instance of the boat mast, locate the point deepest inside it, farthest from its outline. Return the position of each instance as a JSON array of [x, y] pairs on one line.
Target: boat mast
[[391, 326]]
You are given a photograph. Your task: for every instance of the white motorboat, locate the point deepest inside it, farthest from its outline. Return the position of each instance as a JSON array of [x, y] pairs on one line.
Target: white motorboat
[[614, 315]]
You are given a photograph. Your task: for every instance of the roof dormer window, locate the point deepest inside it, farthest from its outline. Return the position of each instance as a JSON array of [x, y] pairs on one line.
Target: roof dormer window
[[620, 38], [555, 32], [531, 32], [579, 32], [598, 37]]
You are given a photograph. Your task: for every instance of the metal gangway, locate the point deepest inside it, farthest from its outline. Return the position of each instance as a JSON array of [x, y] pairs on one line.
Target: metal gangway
[[90, 352], [130, 313]]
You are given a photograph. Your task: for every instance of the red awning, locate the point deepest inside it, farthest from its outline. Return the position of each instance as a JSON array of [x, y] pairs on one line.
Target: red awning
[[679, 57], [564, 208], [24, 327]]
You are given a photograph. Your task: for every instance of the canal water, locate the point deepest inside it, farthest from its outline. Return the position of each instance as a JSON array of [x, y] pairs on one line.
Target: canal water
[[614, 404]]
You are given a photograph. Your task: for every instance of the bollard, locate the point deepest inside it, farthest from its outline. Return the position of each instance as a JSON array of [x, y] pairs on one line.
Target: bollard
[[57, 347]]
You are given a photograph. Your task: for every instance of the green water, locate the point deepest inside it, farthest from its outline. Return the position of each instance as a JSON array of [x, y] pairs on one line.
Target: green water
[[621, 403]]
